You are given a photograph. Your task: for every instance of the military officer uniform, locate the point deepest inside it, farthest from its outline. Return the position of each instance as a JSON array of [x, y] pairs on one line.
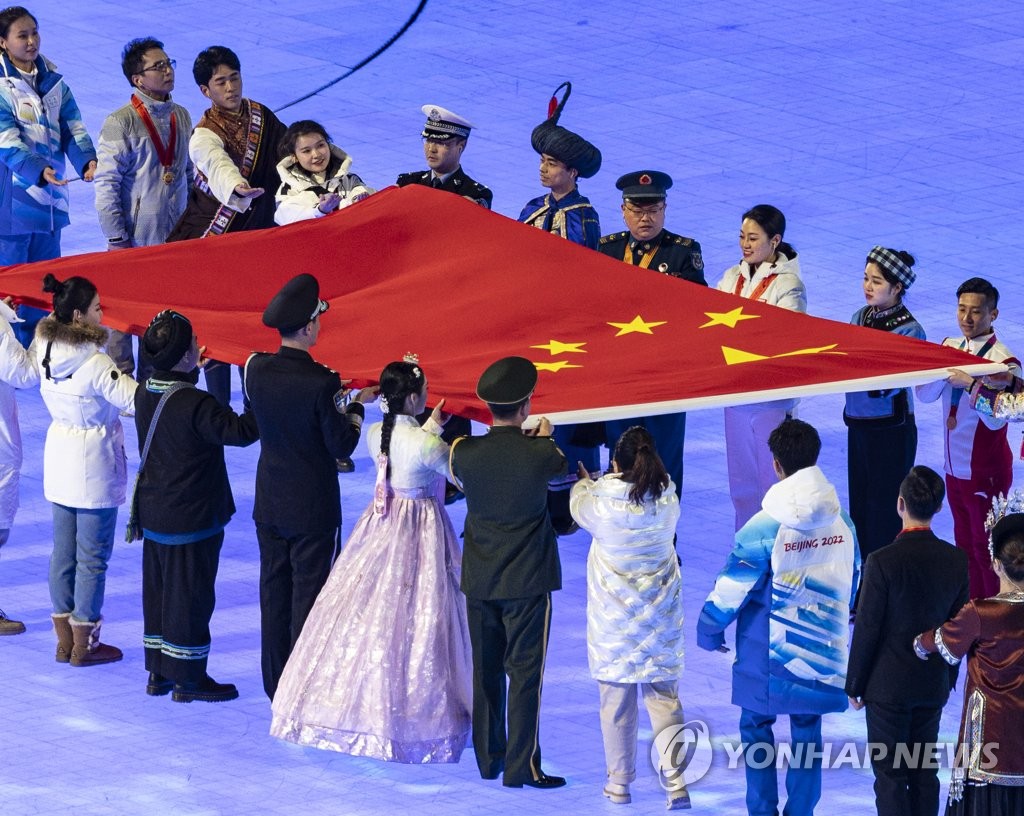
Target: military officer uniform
[[303, 430], [443, 125], [669, 254], [510, 567]]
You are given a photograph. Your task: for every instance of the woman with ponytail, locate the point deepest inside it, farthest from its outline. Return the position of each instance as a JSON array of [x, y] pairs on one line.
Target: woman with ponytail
[[634, 607], [382, 667], [84, 462]]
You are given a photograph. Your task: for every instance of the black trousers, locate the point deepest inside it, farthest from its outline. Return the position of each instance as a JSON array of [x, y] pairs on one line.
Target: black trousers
[[901, 790], [178, 598], [509, 638], [294, 566], [878, 459]]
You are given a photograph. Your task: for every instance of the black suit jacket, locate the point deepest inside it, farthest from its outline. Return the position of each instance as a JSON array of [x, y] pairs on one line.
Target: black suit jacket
[[510, 549], [302, 435], [914, 584], [458, 183]]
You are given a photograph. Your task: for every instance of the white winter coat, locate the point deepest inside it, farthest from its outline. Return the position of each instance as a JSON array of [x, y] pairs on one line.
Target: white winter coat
[[16, 371], [298, 197], [84, 462], [634, 593]]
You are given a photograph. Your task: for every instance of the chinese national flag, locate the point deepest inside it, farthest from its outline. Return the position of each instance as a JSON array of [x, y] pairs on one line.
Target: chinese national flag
[[424, 271]]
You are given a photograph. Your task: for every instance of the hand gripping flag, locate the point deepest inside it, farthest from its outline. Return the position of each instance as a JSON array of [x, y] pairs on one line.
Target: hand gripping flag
[[422, 270]]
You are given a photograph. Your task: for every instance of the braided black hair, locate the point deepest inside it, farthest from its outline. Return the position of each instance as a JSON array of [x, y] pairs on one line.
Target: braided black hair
[[398, 381]]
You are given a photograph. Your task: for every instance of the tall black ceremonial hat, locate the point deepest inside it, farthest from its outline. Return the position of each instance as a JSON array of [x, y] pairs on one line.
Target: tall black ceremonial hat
[[569, 148]]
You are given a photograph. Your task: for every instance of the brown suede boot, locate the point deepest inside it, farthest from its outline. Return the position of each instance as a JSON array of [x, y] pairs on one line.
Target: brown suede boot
[[65, 640], [88, 651]]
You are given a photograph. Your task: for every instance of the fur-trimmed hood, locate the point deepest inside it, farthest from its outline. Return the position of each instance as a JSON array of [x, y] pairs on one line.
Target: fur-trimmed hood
[[73, 344], [293, 175]]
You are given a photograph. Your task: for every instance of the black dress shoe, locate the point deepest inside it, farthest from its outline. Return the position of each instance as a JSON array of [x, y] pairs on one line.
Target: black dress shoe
[[346, 465], [543, 782], [207, 690], [158, 685]]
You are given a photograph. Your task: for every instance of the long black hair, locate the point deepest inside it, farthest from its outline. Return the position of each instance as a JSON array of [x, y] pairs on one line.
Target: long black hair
[[74, 293], [639, 462], [398, 381]]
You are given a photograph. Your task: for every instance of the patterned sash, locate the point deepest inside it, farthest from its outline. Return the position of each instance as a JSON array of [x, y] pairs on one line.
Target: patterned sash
[[225, 216]]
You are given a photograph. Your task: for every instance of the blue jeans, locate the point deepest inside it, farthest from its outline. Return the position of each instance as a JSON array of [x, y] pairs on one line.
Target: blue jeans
[[803, 778], [25, 248], [82, 543]]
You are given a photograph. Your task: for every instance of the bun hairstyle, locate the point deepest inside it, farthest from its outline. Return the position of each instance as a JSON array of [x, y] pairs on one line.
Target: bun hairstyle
[[1008, 550], [638, 460], [773, 222], [74, 293], [397, 382]]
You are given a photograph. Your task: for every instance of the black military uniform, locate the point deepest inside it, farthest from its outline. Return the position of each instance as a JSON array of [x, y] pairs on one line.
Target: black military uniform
[[510, 567], [458, 182], [303, 432], [669, 254]]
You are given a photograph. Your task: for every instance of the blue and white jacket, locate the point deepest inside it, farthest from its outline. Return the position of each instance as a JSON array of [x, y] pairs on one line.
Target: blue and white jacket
[[788, 584], [36, 130]]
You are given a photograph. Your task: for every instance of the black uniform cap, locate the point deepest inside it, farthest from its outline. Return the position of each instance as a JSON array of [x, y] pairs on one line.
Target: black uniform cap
[[642, 184], [508, 381], [295, 305], [569, 148]]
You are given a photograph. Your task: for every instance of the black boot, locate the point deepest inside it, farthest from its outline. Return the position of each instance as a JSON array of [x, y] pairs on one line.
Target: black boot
[[207, 690]]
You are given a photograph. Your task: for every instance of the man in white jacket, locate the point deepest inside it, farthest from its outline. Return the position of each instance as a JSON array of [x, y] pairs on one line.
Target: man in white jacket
[[143, 168]]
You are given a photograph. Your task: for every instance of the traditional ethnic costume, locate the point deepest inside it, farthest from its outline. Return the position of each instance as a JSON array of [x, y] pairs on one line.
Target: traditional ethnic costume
[[227, 149], [382, 668], [881, 440], [989, 777]]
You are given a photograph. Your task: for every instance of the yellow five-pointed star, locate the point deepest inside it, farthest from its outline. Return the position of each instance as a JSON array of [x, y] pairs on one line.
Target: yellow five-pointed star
[[557, 365], [637, 325], [558, 347], [729, 319]]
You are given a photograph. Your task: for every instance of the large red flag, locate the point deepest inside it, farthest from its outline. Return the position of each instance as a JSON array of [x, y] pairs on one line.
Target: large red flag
[[420, 270]]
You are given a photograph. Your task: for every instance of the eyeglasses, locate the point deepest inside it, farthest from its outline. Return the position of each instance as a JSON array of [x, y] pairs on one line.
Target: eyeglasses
[[161, 67], [640, 212]]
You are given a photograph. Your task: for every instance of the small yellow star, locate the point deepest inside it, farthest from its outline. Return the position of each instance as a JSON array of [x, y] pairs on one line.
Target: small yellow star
[[558, 365], [558, 347], [637, 325], [736, 356], [729, 319]]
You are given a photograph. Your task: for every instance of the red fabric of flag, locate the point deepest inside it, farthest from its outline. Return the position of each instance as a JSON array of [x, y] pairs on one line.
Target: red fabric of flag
[[424, 271]]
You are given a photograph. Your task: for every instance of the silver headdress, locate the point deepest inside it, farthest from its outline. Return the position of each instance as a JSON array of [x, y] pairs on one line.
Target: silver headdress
[[1002, 506]]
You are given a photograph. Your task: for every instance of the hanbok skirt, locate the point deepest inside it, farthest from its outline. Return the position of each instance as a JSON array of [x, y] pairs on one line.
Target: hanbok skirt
[[383, 667]]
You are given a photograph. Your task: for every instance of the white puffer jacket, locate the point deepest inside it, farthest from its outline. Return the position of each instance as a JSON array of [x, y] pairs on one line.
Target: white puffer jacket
[[634, 593], [16, 371], [84, 462], [298, 197]]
